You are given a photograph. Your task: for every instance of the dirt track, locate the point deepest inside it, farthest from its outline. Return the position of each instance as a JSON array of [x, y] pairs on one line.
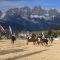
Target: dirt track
[[20, 51]]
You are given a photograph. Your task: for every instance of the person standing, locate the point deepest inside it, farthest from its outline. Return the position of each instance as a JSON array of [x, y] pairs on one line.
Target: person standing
[[13, 38]]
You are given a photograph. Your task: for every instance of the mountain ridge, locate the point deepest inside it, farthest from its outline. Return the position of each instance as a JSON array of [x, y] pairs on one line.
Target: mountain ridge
[[30, 19]]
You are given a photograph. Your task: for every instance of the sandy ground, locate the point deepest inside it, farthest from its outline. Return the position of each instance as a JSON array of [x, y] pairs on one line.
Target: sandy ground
[[20, 51]]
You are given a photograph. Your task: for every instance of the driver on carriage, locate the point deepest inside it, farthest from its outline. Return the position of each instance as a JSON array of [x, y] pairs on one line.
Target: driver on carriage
[[33, 35], [43, 36], [28, 36]]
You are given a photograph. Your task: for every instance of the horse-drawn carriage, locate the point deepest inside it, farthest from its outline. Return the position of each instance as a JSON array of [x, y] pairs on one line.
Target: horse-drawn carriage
[[37, 39]]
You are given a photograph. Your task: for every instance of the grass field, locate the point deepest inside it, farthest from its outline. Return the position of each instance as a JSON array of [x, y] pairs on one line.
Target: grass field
[[20, 51]]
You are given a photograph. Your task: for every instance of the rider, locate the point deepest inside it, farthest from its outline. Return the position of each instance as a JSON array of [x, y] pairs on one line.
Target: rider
[[33, 35], [43, 36]]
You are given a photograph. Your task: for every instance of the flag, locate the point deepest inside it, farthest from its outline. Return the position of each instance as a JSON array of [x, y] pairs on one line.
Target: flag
[[2, 29], [10, 30]]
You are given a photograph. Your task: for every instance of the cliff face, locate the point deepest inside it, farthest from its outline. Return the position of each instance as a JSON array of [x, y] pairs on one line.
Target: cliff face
[[0, 13]]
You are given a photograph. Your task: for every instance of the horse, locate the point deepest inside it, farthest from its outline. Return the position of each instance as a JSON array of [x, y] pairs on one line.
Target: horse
[[30, 39], [42, 41], [51, 39]]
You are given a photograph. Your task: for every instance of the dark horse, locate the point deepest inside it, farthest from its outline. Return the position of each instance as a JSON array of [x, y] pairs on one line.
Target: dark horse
[[42, 41], [34, 40], [51, 39]]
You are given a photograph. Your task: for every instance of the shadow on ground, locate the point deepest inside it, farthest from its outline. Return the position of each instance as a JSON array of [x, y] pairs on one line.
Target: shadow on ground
[[3, 52], [26, 55], [2, 41]]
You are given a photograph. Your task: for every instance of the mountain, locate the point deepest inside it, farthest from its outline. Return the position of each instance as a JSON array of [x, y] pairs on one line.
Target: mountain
[[0, 13], [29, 19], [38, 11]]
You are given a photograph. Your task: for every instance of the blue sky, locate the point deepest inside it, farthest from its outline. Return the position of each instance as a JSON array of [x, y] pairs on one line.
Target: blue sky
[[6, 4]]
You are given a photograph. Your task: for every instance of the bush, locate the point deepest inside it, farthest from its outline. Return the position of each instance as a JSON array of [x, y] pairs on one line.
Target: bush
[[49, 32], [54, 34]]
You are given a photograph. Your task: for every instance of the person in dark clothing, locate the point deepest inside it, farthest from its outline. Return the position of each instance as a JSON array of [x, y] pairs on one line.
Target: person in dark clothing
[[13, 39], [33, 35], [51, 39]]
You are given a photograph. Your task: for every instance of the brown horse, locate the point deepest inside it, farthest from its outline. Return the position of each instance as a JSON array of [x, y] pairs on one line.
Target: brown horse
[[34, 40]]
